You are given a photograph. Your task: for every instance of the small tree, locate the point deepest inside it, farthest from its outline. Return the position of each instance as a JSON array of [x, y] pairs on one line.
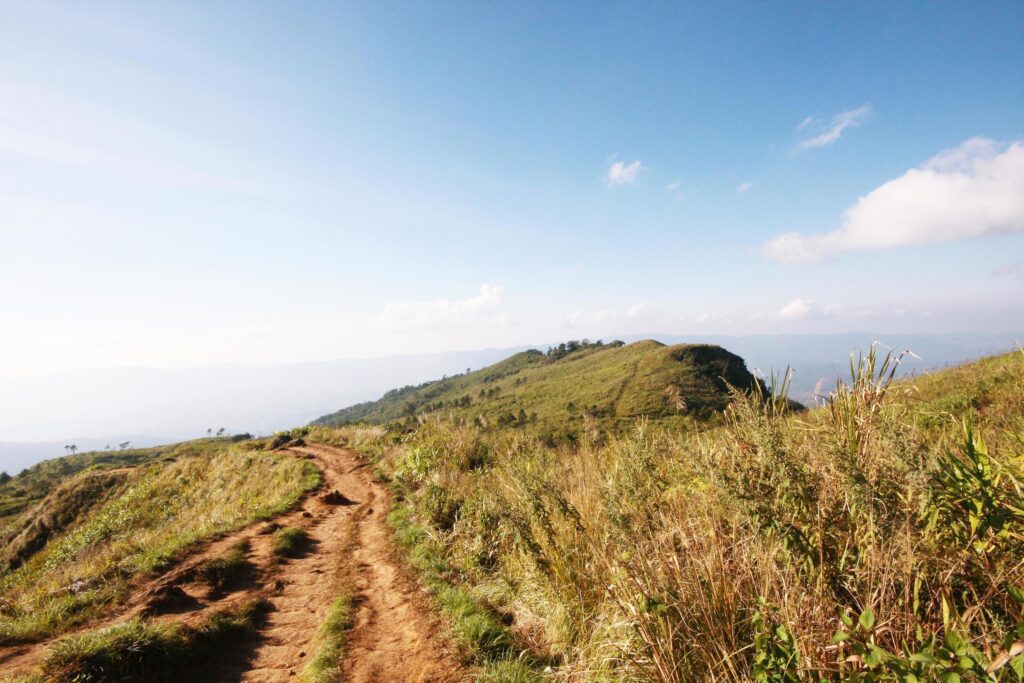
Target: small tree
[[4, 478], [220, 432]]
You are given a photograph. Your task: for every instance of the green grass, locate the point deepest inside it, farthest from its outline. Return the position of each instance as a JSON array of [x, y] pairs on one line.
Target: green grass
[[35, 483], [145, 650], [289, 542], [228, 569], [876, 538], [325, 665], [563, 396], [159, 511], [476, 626], [509, 671]]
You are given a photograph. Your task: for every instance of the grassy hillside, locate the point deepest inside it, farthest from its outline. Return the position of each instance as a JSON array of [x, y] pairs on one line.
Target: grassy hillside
[[35, 482], [564, 389], [879, 537], [74, 551]]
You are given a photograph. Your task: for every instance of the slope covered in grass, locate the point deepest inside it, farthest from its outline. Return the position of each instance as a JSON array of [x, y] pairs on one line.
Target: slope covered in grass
[[136, 521], [565, 390], [37, 481], [879, 537]]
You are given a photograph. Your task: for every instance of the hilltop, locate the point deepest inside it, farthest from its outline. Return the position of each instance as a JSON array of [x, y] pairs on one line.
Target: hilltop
[[559, 390]]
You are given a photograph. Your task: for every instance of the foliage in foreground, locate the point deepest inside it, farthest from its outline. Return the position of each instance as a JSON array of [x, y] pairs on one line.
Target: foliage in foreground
[[146, 650], [155, 515], [878, 538], [325, 665]]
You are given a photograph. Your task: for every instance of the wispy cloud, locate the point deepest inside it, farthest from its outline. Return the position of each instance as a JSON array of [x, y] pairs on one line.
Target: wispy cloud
[[716, 316], [832, 130], [638, 311], [803, 309], [970, 191], [743, 187], [474, 309], [621, 173], [45, 128], [1014, 270]]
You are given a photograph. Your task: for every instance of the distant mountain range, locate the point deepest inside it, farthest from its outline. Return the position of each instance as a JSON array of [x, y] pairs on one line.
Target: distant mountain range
[[42, 413]]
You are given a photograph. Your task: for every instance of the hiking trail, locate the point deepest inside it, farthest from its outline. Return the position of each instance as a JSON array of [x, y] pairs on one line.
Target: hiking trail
[[396, 635]]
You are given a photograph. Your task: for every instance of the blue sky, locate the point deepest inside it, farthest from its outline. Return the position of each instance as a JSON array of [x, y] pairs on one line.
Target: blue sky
[[183, 184]]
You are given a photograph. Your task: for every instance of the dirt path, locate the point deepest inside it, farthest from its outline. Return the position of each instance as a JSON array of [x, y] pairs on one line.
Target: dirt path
[[396, 635]]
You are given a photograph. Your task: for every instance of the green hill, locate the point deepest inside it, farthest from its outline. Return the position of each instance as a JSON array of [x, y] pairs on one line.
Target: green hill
[[559, 390]]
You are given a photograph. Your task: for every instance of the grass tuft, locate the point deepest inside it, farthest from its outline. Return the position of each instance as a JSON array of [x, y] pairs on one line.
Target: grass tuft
[[325, 666], [147, 650], [290, 541], [227, 570]]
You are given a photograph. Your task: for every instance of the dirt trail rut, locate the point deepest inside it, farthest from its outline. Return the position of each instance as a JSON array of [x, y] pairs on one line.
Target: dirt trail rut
[[396, 635]]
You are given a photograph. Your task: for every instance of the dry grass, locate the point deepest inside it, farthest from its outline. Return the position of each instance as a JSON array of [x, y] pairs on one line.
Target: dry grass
[[877, 538]]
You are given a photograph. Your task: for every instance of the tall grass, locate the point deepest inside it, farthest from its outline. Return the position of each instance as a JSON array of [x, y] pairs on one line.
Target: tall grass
[[880, 537]]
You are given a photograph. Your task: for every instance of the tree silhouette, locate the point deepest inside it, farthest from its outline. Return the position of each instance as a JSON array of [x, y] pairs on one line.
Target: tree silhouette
[[67, 450], [209, 432], [107, 447], [220, 432], [123, 445], [74, 449]]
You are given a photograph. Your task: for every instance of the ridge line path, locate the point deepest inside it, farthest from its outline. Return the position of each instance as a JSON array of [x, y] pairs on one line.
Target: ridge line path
[[395, 636]]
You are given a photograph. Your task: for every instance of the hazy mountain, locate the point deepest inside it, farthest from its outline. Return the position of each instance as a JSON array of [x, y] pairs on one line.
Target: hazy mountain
[[91, 408]]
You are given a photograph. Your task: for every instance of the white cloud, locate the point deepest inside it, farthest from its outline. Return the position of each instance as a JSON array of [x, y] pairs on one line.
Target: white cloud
[[246, 333], [809, 309], [1014, 270], [410, 314], [743, 187], [802, 309], [621, 173], [970, 191], [717, 316], [610, 315], [833, 130], [674, 185]]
